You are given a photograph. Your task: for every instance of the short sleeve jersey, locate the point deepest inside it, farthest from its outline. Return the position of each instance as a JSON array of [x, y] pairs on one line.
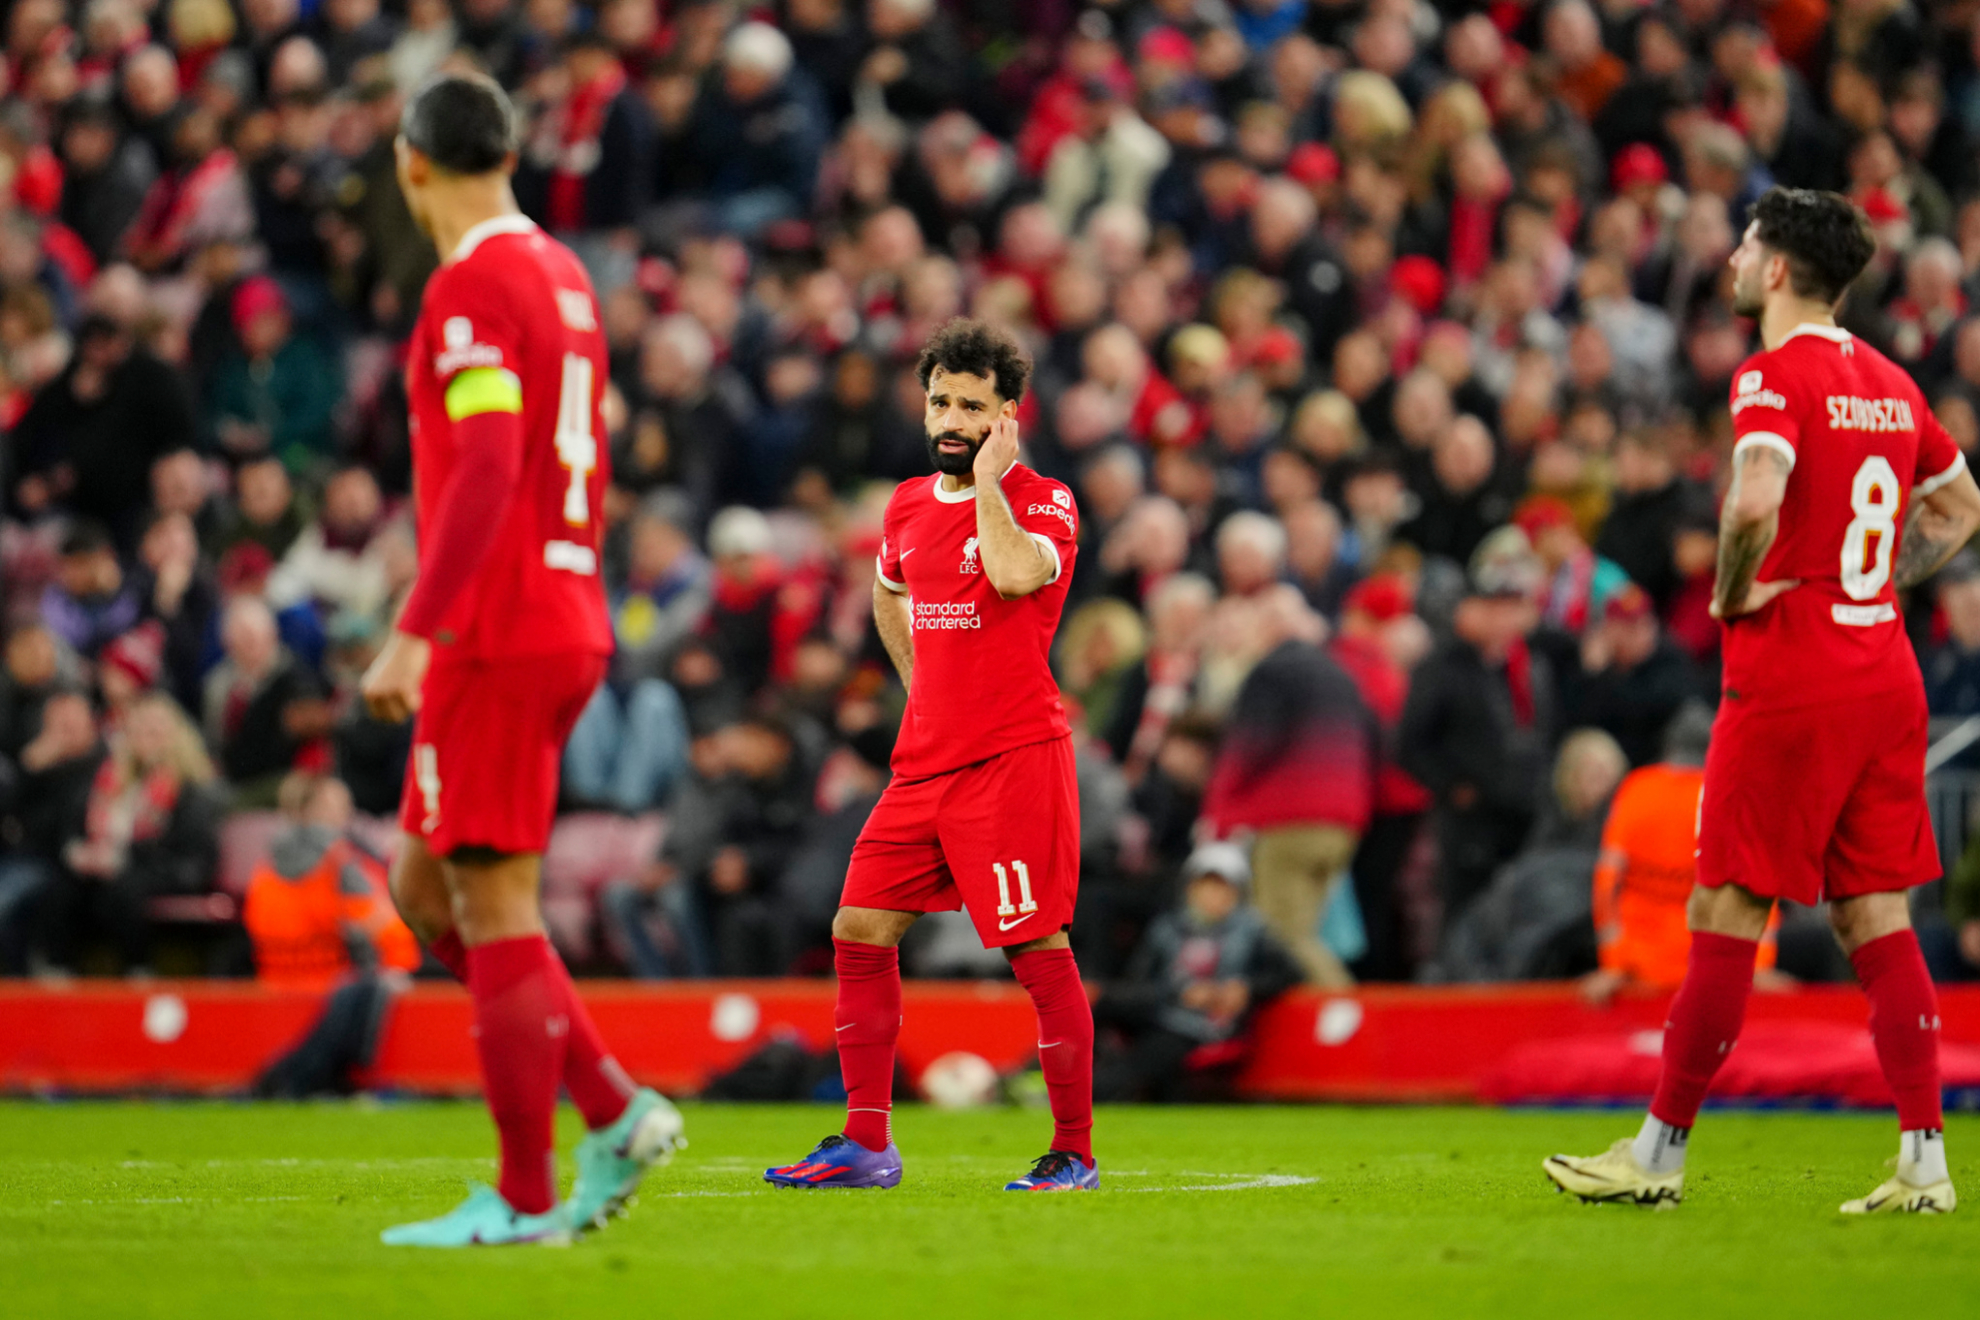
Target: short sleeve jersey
[[514, 300], [982, 683], [1861, 441]]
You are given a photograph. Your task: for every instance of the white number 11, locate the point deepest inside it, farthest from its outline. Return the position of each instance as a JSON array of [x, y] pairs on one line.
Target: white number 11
[[1026, 903]]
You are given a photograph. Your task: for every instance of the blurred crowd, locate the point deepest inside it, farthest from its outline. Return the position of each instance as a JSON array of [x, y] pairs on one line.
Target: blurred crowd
[[1386, 345]]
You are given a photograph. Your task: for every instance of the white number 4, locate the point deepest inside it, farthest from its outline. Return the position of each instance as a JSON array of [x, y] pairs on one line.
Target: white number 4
[[1026, 903], [577, 448]]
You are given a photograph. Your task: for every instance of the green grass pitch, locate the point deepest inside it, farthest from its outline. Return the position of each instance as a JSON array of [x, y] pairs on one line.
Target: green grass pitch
[[223, 1210]]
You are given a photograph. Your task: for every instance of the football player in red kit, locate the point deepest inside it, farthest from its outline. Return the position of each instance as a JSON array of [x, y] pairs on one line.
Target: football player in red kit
[[1845, 490], [501, 643], [983, 810]]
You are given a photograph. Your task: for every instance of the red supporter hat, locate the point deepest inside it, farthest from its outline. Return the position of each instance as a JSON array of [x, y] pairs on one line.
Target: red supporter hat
[[1420, 282], [1882, 208], [1627, 605], [1637, 164], [1384, 597], [1166, 45], [1277, 346], [1313, 163], [139, 654], [256, 297], [1539, 513], [245, 568]]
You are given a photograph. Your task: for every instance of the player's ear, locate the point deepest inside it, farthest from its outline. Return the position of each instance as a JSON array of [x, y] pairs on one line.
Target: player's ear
[[1009, 409]]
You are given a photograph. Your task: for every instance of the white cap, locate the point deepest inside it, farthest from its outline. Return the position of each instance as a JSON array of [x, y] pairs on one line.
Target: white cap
[[738, 530]]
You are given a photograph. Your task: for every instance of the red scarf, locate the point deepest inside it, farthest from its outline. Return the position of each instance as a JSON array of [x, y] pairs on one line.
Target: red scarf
[[122, 812], [1472, 224], [577, 154], [1519, 682]]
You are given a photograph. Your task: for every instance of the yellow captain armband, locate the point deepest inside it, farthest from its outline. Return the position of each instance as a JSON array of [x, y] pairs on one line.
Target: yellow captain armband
[[483, 390]]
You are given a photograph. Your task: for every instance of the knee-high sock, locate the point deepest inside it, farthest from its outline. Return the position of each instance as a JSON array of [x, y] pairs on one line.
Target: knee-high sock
[[1904, 1021], [598, 1086], [868, 1018], [1065, 1044], [1705, 1019], [520, 1022]]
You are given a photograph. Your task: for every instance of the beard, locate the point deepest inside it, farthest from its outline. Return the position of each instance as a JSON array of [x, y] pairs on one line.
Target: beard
[[1746, 302], [954, 465]]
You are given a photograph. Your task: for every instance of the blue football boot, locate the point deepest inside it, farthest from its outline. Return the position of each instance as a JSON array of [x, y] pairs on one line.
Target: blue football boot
[[1058, 1171], [839, 1161]]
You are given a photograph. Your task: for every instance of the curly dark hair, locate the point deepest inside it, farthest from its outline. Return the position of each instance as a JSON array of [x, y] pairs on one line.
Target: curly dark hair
[[976, 348], [1825, 238]]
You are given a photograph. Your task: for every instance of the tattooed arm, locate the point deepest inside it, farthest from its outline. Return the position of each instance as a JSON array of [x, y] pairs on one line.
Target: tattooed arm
[[1935, 528], [1748, 523]]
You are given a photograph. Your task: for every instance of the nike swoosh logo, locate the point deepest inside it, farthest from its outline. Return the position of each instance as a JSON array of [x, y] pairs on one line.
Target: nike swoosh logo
[[906, 553], [848, 1027], [1006, 925]]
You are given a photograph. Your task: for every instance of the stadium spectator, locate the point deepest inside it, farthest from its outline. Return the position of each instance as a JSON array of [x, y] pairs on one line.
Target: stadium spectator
[[264, 710], [46, 801], [1952, 666], [337, 561], [1201, 973], [1628, 680], [90, 601], [275, 393], [150, 829], [1477, 726], [1297, 768]]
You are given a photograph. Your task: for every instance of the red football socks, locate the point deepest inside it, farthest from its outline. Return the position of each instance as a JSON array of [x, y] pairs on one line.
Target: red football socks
[[598, 1086], [520, 1023], [451, 954], [868, 1019], [1904, 1022], [1704, 1022], [1065, 1044]]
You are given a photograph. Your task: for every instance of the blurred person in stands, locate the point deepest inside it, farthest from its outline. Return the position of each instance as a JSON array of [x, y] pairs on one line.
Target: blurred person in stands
[[201, 197], [1577, 582], [36, 666], [90, 601], [265, 711], [1297, 768], [277, 392], [87, 442], [748, 624], [1479, 721], [181, 596], [338, 561], [151, 829], [1377, 634], [1628, 679], [44, 802], [319, 918], [755, 135], [1160, 685], [1648, 863], [1952, 667], [1461, 502], [1649, 501], [1200, 974], [267, 510], [105, 175]]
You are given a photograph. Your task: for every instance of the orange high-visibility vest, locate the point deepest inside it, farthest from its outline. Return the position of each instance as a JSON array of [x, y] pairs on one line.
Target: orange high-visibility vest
[[297, 926]]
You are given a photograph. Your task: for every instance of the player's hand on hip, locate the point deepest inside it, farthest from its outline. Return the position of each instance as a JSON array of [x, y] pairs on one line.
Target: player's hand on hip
[[1760, 593], [998, 451], [391, 686]]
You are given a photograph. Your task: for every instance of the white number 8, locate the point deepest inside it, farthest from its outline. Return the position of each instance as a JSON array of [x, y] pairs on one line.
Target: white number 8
[[1870, 537]]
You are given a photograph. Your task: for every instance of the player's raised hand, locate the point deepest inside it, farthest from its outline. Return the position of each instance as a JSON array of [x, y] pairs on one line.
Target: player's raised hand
[[391, 686], [995, 456], [1760, 593]]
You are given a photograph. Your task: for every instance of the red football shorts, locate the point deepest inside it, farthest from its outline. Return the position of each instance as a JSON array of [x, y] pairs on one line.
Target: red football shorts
[[1819, 801], [1000, 838], [487, 745]]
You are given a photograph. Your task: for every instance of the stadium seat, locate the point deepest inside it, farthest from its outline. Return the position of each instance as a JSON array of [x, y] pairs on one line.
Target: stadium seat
[[587, 851], [245, 839]]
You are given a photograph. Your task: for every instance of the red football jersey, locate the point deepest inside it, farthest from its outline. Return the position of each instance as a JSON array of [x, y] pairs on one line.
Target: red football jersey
[[1861, 439], [982, 682], [513, 298]]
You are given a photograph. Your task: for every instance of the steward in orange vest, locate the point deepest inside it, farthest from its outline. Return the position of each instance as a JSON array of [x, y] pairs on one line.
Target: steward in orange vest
[[317, 909]]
